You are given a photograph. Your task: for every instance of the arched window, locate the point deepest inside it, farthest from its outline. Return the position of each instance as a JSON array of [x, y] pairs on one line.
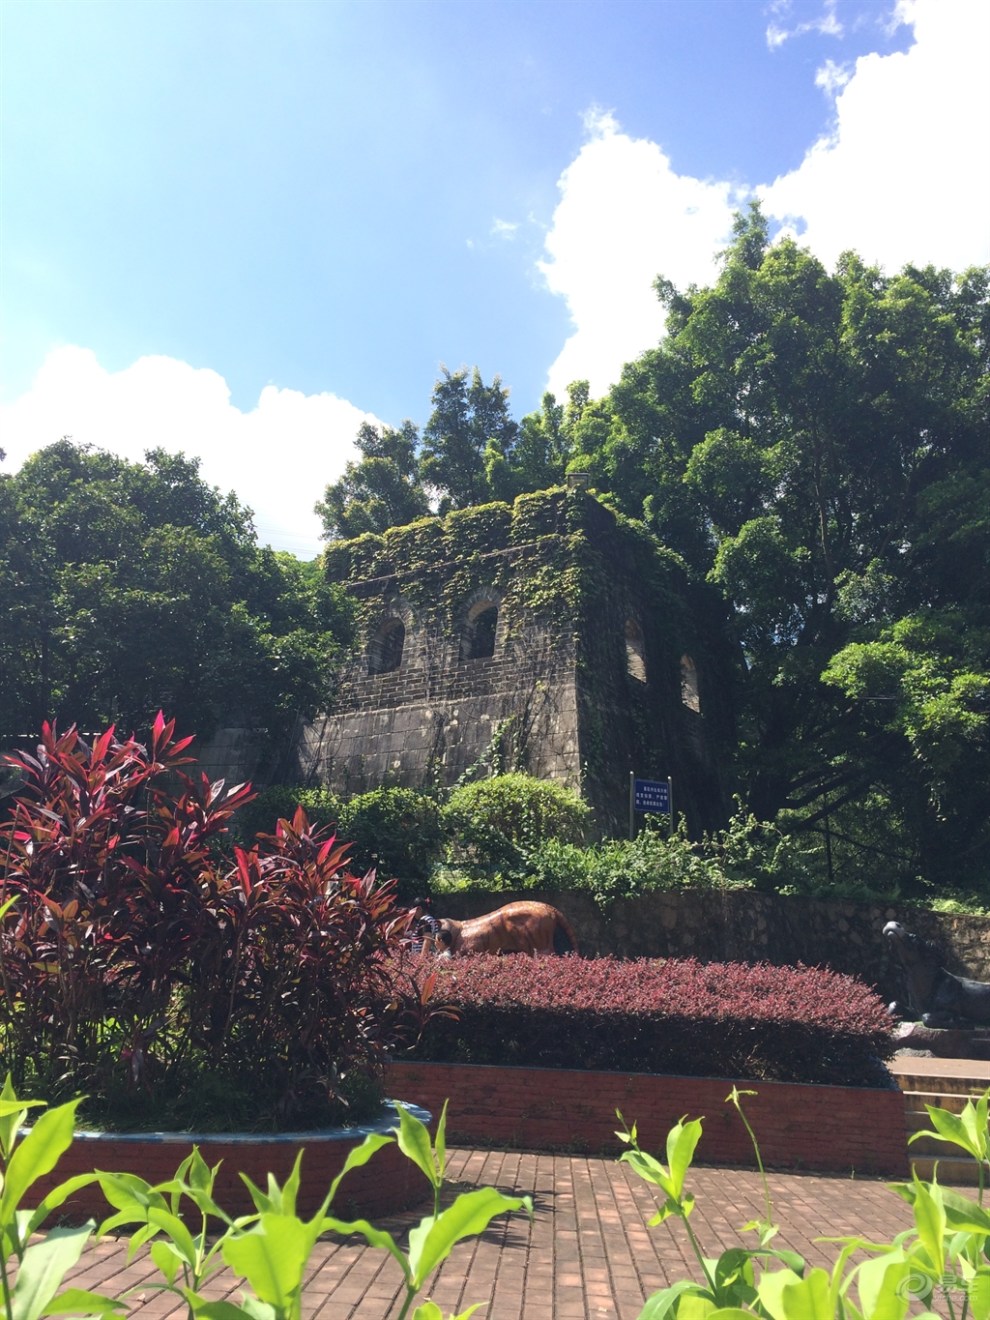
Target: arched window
[[385, 651], [689, 684], [635, 651], [480, 630]]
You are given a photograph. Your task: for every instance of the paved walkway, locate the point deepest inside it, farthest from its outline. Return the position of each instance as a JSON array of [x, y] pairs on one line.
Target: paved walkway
[[587, 1255]]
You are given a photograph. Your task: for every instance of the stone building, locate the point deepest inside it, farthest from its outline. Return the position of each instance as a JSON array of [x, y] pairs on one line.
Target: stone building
[[549, 636]]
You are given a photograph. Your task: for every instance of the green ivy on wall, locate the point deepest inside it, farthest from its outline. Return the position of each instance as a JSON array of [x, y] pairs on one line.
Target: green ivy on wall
[[558, 559]]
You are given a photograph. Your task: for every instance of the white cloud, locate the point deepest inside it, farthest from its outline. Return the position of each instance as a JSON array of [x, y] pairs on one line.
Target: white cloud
[[625, 216], [278, 457], [902, 176], [832, 77], [826, 24], [506, 229]]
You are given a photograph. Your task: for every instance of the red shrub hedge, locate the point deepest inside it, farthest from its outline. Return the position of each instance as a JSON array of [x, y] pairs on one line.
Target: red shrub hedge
[[789, 1024]]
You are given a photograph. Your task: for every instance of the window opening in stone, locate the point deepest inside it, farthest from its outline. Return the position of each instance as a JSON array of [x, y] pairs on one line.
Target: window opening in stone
[[385, 654], [635, 651], [480, 640], [689, 684]]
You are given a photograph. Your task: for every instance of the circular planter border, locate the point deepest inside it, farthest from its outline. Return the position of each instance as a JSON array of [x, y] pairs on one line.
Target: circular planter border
[[389, 1182]]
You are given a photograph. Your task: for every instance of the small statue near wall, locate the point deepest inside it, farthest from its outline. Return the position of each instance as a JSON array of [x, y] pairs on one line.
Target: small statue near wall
[[935, 997]]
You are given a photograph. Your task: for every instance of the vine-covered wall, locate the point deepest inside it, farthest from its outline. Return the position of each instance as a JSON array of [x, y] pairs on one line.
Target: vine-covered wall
[[580, 681]]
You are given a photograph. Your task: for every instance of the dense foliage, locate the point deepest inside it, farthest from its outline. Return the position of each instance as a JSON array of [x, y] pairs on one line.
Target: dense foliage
[[788, 1024], [499, 821], [747, 854], [172, 983], [128, 587], [516, 833], [396, 832], [811, 444], [262, 812], [808, 444]]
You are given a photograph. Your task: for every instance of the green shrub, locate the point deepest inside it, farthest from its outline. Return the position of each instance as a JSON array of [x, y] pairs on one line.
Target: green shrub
[[554, 865], [756, 853], [499, 821], [621, 868], [398, 832], [279, 802], [747, 854]]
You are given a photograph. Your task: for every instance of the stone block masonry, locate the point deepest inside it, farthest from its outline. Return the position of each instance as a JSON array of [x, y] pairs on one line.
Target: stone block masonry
[[742, 925], [548, 636]]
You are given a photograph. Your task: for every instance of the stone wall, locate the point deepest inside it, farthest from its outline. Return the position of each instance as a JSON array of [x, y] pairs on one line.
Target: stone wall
[[438, 715], [744, 926], [580, 681], [231, 754]]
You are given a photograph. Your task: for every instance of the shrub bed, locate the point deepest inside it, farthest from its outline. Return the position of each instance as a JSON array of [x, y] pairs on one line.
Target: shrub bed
[[175, 984], [732, 1020]]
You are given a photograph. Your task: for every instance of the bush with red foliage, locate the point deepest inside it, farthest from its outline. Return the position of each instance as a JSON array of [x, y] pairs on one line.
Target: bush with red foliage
[[173, 983], [734, 1020]]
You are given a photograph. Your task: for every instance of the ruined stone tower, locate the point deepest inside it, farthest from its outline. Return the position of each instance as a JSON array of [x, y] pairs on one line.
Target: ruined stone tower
[[548, 636]]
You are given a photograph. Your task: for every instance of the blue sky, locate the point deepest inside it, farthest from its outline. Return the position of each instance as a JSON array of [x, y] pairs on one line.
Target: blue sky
[[239, 229]]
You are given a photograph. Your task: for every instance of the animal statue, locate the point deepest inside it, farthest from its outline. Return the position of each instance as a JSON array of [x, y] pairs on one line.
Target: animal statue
[[936, 997], [522, 927]]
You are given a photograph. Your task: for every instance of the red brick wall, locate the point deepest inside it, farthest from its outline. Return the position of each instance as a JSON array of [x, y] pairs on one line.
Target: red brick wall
[[389, 1182], [825, 1128]]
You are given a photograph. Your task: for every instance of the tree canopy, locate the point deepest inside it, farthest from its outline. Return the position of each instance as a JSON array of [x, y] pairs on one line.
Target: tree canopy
[[130, 587], [813, 444]]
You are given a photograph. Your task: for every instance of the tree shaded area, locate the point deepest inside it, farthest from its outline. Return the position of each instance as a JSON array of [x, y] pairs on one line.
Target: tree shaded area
[[129, 587]]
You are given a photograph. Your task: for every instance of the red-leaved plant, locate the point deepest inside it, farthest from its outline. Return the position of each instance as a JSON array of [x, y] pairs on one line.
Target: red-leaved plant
[[168, 981], [800, 1024]]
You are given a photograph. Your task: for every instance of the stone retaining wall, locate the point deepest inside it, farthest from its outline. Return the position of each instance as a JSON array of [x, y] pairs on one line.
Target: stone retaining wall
[[833, 1129], [744, 926]]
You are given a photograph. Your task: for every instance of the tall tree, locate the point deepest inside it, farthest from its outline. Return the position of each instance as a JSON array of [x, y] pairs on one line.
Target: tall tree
[[540, 454], [381, 490], [133, 587], [469, 432], [814, 444]]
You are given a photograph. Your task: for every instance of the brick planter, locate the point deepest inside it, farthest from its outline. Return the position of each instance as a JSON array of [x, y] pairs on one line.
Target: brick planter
[[833, 1129], [387, 1183]]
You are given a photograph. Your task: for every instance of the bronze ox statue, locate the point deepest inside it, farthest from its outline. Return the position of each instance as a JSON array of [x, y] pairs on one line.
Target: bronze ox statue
[[935, 997], [522, 927]]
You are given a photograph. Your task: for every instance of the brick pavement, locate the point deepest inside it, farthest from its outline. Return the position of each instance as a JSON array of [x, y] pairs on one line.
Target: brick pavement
[[588, 1255]]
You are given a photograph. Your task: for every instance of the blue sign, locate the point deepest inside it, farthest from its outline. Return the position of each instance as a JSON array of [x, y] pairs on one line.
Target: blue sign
[[651, 795]]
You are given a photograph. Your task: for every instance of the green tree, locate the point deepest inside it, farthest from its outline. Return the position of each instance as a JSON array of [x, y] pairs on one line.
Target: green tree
[[133, 587], [381, 490], [538, 458], [814, 444], [469, 434]]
